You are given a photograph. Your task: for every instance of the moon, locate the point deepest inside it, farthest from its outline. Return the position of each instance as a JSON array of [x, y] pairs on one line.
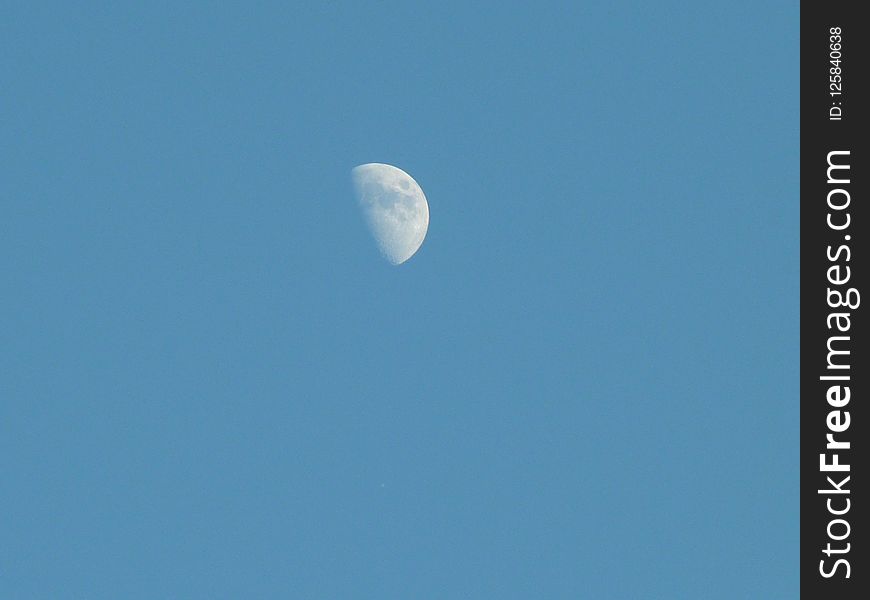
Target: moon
[[394, 207]]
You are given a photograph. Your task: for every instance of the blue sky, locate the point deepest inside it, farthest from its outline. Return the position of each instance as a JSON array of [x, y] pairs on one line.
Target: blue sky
[[584, 385]]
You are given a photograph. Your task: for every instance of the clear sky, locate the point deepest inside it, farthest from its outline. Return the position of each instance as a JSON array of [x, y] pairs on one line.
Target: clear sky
[[584, 384]]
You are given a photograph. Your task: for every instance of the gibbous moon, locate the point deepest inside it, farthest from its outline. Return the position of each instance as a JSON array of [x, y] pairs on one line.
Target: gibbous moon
[[394, 207]]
